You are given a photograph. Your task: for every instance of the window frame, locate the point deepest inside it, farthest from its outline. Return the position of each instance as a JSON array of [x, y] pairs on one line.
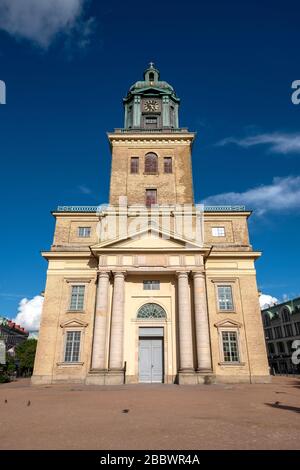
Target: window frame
[[232, 329], [229, 332], [225, 284], [84, 228], [288, 326], [73, 285], [148, 170], [170, 163], [78, 331], [151, 283], [297, 327], [269, 335], [146, 198], [278, 328], [218, 228], [137, 160]]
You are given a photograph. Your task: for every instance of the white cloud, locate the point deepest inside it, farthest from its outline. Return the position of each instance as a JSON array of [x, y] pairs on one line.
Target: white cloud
[[277, 142], [266, 301], [29, 313], [282, 194], [41, 21]]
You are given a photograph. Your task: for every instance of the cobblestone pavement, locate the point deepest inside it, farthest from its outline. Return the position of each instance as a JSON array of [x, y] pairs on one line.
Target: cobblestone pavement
[[159, 416]]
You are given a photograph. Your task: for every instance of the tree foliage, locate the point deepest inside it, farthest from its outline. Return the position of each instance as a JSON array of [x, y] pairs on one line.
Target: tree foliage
[[25, 354]]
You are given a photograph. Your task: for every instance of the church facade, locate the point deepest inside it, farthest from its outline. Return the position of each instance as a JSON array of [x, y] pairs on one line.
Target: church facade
[[151, 288]]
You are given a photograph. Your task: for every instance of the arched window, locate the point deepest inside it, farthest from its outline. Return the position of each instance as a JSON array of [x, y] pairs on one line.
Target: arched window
[[267, 320], [285, 314], [151, 77], [151, 163], [151, 311]]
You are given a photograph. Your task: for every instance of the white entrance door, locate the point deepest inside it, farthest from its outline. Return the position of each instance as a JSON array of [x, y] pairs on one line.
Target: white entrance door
[[151, 360]]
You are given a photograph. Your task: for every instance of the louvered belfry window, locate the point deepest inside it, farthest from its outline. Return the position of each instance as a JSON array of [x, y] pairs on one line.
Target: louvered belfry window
[[151, 164]]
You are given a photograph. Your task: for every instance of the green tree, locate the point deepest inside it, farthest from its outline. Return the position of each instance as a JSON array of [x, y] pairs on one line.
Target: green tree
[[25, 354]]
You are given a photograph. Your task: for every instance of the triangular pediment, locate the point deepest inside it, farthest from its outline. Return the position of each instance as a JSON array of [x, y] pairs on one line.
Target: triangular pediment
[[149, 238], [73, 323], [228, 323]]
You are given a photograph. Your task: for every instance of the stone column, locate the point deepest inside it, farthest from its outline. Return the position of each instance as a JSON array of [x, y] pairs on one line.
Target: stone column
[[201, 320], [117, 323], [185, 324], [99, 340]]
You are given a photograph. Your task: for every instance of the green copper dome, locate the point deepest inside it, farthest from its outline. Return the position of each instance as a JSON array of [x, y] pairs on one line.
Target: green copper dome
[[151, 81]]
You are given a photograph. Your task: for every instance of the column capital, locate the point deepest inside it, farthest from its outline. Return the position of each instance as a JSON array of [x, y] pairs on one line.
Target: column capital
[[183, 273], [103, 274], [120, 274], [198, 274]]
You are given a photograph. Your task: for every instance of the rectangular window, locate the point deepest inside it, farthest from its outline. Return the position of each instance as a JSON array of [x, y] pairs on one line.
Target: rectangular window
[[271, 348], [230, 346], [134, 165], [151, 197], [288, 330], [297, 326], [281, 347], [268, 333], [218, 231], [168, 165], [151, 285], [72, 346], [225, 298], [77, 298], [278, 332], [84, 232]]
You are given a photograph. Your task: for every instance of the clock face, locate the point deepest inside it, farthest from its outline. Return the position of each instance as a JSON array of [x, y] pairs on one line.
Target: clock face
[[151, 105]]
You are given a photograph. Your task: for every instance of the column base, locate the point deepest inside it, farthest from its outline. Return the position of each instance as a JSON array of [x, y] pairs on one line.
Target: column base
[[187, 378], [96, 377], [115, 377], [105, 377], [205, 377]]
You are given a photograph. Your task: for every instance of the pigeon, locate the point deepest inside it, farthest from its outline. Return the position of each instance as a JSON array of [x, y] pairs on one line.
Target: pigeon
[[276, 403], [125, 411], [28, 403], [5, 401]]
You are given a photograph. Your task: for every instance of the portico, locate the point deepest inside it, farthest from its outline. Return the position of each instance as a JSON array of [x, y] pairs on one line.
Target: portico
[[180, 294]]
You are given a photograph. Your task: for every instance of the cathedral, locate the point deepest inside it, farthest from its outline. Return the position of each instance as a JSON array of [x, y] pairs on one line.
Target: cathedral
[[151, 287]]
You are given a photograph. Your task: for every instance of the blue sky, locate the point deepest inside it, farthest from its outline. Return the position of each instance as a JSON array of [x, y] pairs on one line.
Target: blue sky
[[232, 64]]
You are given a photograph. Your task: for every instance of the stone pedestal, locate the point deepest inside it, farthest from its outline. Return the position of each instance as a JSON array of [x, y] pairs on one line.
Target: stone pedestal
[[187, 378]]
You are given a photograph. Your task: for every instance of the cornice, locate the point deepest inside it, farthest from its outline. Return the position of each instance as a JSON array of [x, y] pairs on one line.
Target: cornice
[[149, 138], [235, 254]]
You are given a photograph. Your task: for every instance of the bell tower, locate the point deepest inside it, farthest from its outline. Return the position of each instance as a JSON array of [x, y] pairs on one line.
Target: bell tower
[[151, 103], [151, 155]]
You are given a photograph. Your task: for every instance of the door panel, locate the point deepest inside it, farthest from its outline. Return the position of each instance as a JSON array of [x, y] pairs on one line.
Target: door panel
[[157, 367], [150, 360], [145, 360]]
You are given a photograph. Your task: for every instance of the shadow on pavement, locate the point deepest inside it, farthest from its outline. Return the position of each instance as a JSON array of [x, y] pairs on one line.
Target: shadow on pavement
[[296, 409]]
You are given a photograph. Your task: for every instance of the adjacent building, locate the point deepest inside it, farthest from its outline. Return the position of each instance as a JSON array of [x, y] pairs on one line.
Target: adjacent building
[[282, 328], [11, 333], [151, 287]]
